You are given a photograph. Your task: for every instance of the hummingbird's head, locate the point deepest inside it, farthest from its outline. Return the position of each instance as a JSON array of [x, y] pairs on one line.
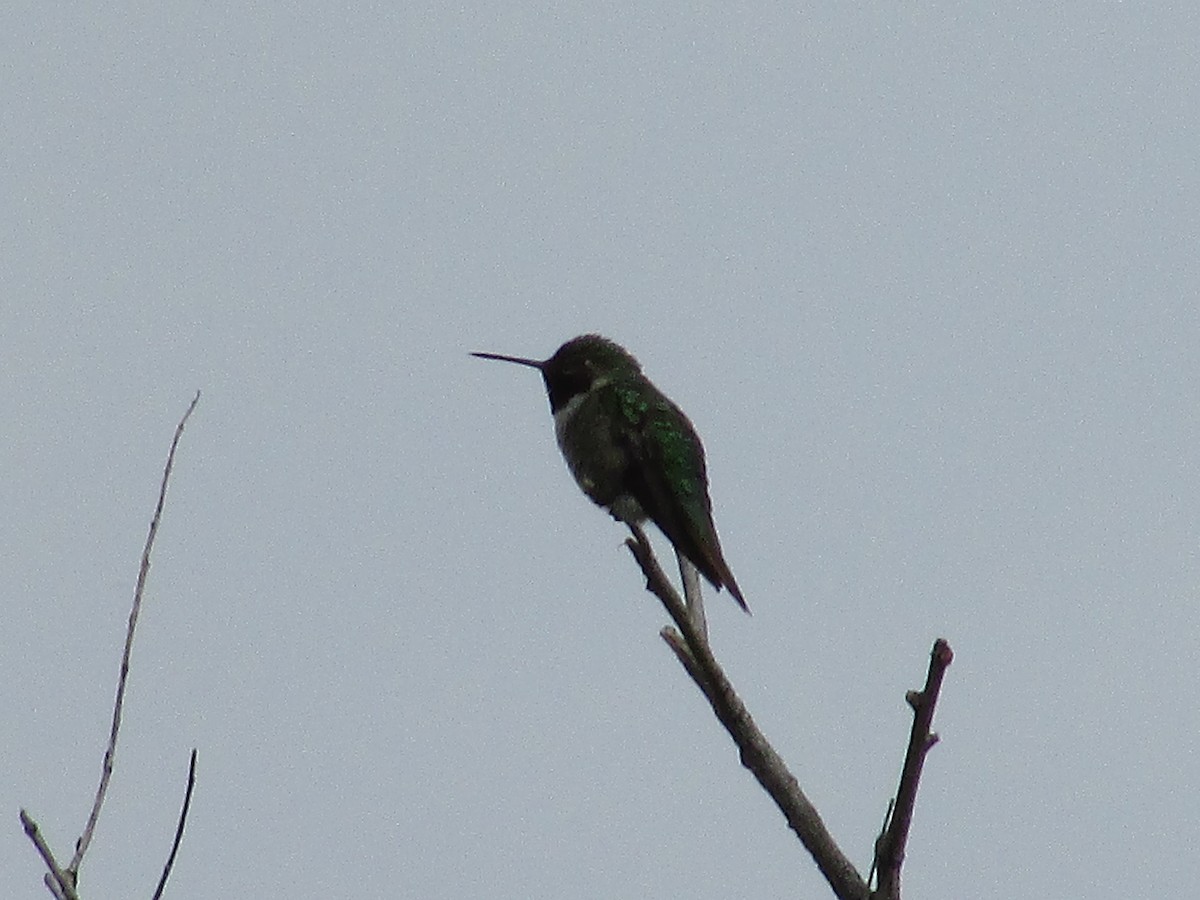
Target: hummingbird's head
[[577, 366], [584, 363]]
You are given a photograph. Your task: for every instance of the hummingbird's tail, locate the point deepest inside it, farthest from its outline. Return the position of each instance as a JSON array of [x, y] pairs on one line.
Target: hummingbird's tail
[[703, 549], [706, 556], [725, 579]]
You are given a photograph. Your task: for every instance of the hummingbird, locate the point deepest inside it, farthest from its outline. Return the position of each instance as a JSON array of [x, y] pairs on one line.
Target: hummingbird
[[630, 449]]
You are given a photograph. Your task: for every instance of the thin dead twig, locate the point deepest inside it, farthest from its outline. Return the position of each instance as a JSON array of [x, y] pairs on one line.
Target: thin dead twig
[[183, 813], [61, 885], [62, 882], [889, 853], [85, 839]]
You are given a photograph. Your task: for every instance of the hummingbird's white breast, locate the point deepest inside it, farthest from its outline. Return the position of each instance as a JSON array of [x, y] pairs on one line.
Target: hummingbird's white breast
[[564, 420], [596, 462], [563, 417]]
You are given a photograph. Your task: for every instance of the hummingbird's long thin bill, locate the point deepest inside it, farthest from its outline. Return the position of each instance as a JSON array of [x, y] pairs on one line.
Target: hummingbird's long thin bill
[[519, 360]]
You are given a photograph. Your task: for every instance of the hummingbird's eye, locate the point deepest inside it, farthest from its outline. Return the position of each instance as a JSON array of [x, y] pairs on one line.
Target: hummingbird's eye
[[581, 379]]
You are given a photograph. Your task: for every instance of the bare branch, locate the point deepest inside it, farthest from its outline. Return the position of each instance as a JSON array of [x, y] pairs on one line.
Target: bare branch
[[677, 644], [187, 801], [889, 853], [106, 771], [61, 885], [62, 882], [693, 597], [757, 755]]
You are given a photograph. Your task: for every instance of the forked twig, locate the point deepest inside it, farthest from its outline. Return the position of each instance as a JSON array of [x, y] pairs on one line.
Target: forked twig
[[757, 755], [690, 645]]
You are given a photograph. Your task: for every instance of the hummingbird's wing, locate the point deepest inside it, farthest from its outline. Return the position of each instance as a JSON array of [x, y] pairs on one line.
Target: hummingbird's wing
[[667, 476]]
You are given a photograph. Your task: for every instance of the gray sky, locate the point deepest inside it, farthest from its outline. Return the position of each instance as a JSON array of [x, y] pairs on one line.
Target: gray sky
[[925, 279]]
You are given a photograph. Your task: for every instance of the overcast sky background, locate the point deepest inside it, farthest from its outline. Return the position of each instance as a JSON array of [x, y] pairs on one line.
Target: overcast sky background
[[925, 278]]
